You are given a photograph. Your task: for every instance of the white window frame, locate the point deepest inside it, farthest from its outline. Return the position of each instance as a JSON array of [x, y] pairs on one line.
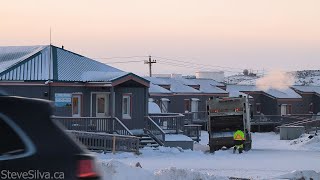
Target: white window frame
[[127, 115], [164, 105], [106, 105]]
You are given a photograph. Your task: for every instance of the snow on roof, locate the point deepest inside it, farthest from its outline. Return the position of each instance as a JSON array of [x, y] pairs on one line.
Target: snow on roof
[[188, 82], [308, 89], [176, 86], [209, 86], [153, 107], [11, 55], [209, 81], [157, 81], [182, 85], [283, 94], [157, 89], [287, 93], [101, 76], [74, 67]]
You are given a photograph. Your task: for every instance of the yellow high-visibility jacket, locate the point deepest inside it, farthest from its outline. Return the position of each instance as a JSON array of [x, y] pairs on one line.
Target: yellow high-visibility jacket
[[239, 135]]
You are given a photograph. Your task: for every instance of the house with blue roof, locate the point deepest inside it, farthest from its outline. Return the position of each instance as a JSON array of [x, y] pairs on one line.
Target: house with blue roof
[[270, 101], [78, 86], [182, 95]]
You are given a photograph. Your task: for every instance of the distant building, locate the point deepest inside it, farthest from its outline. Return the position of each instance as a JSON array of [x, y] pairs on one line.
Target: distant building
[[311, 98], [180, 95], [270, 102], [214, 75]]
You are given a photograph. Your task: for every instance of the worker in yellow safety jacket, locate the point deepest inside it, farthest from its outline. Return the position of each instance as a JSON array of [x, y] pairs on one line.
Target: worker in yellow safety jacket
[[239, 139]]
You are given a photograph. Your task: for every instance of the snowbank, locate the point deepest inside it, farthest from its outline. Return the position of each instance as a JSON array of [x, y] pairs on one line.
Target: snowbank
[[307, 142], [183, 174], [272, 140], [299, 175], [115, 170], [269, 158]]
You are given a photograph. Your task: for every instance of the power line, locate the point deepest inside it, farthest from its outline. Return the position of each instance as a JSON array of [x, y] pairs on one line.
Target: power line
[[119, 62], [120, 57], [194, 66], [170, 59], [175, 62]]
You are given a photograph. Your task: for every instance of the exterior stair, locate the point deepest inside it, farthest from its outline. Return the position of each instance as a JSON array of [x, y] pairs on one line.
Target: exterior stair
[[147, 141]]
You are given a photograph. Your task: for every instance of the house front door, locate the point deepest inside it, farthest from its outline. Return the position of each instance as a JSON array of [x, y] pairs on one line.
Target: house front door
[[102, 109], [195, 108], [283, 109], [76, 105]]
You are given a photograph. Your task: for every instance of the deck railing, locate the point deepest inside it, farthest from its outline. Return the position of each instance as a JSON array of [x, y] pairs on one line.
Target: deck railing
[[193, 131], [155, 131], [310, 121], [107, 142], [169, 122], [94, 124], [200, 117]]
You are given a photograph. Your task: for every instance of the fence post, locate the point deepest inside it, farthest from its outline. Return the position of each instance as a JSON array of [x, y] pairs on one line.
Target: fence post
[[177, 125], [114, 144], [137, 145], [198, 133], [259, 124], [113, 123]]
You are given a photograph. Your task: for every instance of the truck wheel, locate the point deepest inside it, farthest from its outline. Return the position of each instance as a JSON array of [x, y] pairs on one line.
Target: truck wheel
[[212, 149], [247, 146]]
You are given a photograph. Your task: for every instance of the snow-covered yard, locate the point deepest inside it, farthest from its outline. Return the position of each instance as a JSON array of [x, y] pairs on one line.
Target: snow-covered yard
[[269, 158]]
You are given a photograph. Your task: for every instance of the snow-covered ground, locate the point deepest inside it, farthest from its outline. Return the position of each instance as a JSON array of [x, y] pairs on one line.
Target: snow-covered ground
[[269, 158]]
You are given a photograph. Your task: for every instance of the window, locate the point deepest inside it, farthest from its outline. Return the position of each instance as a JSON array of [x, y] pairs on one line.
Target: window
[[126, 106], [289, 109], [311, 108], [187, 105], [76, 105], [164, 105], [258, 108]]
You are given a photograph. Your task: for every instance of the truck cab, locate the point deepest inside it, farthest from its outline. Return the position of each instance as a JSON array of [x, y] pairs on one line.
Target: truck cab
[[226, 116]]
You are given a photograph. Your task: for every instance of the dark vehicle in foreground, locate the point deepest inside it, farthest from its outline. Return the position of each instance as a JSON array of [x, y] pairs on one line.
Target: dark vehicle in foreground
[[32, 146], [226, 116]]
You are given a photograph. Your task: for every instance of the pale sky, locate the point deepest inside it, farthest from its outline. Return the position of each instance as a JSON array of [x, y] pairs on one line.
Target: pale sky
[[198, 35]]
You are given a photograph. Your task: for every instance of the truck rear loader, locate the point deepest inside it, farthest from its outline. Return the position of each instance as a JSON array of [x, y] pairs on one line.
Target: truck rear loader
[[226, 116]]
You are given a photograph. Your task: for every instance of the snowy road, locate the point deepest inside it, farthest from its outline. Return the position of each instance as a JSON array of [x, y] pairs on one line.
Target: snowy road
[[269, 158]]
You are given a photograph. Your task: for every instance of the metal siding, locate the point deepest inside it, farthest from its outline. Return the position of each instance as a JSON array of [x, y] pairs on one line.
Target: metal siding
[[139, 97], [18, 72], [71, 66], [26, 91], [11, 75], [31, 69], [94, 108]]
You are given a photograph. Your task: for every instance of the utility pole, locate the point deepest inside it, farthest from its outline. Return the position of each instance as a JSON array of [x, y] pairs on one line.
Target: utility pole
[[150, 62]]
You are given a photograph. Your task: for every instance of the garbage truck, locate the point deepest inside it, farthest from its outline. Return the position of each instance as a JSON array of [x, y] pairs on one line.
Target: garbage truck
[[226, 116]]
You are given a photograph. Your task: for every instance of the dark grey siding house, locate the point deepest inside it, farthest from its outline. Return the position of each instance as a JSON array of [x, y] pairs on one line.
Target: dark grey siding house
[[311, 98], [182, 95], [271, 101], [78, 86]]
